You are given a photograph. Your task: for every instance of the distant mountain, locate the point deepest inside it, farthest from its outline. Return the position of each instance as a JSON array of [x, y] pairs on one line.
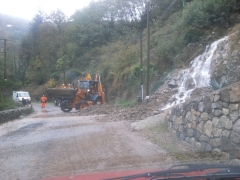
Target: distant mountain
[[13, 28]]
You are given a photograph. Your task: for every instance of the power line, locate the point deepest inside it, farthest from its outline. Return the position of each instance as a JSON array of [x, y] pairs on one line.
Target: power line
[[168, 9]]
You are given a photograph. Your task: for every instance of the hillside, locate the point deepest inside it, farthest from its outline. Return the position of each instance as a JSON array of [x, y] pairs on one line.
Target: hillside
[[103, 37], [188, 84], [16, 31], [13, 30]]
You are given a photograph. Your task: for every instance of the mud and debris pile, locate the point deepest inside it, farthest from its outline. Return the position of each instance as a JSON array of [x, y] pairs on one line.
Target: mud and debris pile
[[141, 111]]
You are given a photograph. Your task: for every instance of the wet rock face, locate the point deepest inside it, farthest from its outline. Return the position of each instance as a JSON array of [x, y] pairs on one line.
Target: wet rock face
[[14, 113], [225, 67], [172, 84], [213, 121], [189, 84]]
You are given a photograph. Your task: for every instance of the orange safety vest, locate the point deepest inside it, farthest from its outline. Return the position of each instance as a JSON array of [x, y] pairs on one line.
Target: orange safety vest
[[43, 99]]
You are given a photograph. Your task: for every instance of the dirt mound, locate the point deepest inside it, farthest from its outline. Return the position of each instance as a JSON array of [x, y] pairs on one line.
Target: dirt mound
[[142, 110]]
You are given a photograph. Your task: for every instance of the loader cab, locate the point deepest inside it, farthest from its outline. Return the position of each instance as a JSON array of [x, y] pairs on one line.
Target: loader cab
[[90, 86]]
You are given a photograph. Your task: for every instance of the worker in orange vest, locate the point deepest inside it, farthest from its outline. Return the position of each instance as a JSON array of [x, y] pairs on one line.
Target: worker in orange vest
[[43, 100]]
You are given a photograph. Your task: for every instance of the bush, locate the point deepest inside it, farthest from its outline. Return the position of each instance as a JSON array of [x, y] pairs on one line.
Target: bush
[[70, 76], [76, 72], [8, 86], [137, 71], [206, 13], [7, 103], [73, 74], [166, 51], [192, 36], [55, 75], [41, 78], [51, 83]]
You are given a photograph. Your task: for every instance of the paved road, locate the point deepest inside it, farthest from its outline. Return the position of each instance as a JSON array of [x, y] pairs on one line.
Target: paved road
[[51, 143]]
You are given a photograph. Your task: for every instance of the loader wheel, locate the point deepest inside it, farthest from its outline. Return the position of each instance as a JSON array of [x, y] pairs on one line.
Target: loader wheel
[[98, 100], [81, 104], [64, 106]]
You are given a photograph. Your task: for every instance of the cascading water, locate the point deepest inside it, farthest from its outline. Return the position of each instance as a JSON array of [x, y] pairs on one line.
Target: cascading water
[[197, 76]]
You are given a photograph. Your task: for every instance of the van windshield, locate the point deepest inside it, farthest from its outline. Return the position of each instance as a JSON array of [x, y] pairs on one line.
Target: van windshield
[[23, 94]]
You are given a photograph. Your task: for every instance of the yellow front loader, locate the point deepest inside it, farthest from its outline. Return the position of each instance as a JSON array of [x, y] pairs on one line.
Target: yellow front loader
[[85, 93]]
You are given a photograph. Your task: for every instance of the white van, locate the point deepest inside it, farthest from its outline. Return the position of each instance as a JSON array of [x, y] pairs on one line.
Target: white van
[[18, 95]]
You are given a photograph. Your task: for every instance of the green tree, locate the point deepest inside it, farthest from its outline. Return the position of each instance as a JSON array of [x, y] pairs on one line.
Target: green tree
[[206, 13], [43, 45], [62, 65]]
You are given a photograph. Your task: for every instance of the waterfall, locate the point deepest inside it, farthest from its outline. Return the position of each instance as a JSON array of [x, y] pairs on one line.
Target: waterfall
[[196, 76]]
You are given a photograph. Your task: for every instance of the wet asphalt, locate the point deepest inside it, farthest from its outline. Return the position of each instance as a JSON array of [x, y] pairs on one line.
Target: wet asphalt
[[51, 143]]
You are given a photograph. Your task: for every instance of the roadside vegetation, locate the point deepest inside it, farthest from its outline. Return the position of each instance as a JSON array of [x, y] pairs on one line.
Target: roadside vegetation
[[7, 103], [105, 37]]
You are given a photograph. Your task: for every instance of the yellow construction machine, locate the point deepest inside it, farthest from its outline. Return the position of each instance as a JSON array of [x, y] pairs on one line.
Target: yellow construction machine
[[81, 94]]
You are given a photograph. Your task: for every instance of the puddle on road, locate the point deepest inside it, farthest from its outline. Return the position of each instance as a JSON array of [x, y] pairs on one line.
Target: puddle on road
[[68, 126], [23, 131], [31, 126], [49, 114], [45, 115]]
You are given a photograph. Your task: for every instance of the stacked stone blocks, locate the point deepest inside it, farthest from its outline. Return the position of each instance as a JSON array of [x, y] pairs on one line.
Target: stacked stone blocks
[[210, 123]]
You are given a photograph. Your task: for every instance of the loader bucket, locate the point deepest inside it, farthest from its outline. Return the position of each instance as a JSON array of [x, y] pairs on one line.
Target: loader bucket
[[65, 93]]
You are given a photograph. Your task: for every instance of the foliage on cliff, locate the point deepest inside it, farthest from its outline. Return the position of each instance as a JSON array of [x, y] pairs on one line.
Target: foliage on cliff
[[105, 37]]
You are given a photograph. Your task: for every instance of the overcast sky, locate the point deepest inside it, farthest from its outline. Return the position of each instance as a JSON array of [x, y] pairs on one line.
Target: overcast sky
[[26, 9]]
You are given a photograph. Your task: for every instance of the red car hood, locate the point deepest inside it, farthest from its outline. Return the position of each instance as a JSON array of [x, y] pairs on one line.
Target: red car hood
[[101, 175], [201, 171]]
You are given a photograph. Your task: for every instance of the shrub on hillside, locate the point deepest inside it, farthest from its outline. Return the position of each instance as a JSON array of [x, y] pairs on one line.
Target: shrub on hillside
[[193, 35], [76, 72], [9, 84], [206, 13], [55, 75], [7, 103], [51, 83], [72, 74]]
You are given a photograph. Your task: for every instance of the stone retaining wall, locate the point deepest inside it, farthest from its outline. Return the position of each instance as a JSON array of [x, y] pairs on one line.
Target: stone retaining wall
[[211, 123], [14, 113]]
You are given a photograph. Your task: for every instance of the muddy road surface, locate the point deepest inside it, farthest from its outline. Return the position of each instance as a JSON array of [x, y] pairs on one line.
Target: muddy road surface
[[50, 143]]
